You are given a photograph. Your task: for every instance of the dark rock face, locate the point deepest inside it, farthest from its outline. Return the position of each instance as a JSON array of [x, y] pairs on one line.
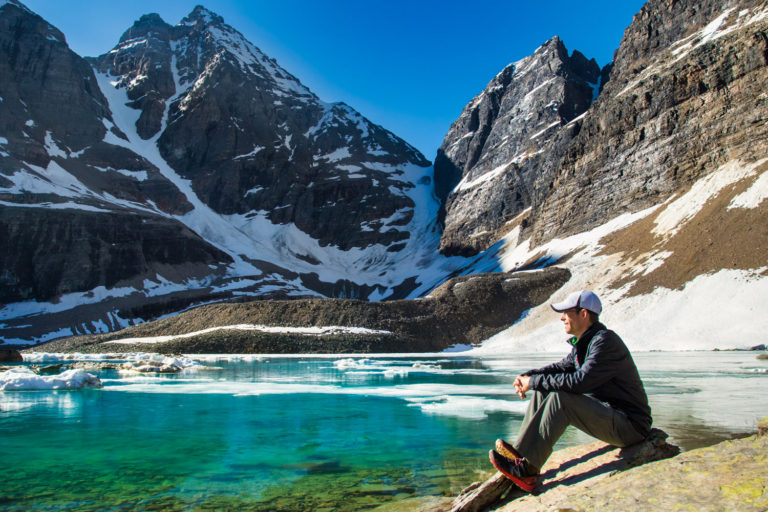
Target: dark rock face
[[686, 95], [38, 71], [46, 254], [78, 212], [499, 156]]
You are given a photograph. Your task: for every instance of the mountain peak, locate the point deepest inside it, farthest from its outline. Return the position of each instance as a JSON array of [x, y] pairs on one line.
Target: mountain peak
[[201, 15], [15, 3], [151, 22]]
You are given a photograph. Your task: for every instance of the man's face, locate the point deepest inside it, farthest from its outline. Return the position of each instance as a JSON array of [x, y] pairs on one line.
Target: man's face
[[575, 321]]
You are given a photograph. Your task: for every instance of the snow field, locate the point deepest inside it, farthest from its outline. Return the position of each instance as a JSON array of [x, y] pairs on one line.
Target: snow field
[[691, 318]]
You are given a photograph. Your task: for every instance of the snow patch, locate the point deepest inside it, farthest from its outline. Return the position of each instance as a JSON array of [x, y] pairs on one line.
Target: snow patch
[[466, 183], [542, 132], [335, 156], [683, 209], [53, 148], [303, 331], [252, 153], [755, 195]]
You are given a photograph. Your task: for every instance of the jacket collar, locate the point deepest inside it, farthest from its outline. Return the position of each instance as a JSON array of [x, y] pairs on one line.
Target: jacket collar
[[581, 346], [587, 335], [590, 332]]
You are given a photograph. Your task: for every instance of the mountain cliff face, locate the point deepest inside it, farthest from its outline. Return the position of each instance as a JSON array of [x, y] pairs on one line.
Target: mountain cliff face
[[685, 96], [185, 166], [500, 155], [659, 201]]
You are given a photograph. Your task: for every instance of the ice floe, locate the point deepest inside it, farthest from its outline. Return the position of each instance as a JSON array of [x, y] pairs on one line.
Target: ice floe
[[22, 378]]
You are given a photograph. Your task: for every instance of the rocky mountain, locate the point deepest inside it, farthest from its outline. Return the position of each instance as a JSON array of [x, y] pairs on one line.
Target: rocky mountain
[[185, 166], [684, 97], [499, 157], [657, 198]]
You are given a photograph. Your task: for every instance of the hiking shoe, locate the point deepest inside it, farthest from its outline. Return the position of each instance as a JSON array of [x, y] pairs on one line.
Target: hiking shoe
[[506, 449], [519, 471]]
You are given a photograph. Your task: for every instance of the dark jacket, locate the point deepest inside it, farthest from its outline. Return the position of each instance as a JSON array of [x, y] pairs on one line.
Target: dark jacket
[[600, 365]]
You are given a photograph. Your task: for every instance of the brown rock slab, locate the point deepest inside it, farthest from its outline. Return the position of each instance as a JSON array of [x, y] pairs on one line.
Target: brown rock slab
[[566, 472], [727, 476]]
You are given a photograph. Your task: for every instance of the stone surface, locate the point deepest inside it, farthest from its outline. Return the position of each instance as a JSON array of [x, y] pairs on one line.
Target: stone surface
[[727, 476], [566, 473]]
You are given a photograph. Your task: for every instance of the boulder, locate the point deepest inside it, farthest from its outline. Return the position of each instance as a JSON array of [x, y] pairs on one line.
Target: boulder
[[10, 356]]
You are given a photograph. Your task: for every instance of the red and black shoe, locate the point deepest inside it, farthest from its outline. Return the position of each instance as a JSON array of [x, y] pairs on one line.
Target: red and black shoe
[[520, 471], [507, 450]]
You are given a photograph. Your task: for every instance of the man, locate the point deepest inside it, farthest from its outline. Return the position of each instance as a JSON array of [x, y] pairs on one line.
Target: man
[[596, 388]]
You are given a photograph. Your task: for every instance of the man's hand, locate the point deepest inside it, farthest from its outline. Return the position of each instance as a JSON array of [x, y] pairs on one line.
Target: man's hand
[[521, 385]]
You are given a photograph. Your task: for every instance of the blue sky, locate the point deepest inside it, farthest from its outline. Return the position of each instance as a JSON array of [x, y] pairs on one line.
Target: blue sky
[[408, 65]]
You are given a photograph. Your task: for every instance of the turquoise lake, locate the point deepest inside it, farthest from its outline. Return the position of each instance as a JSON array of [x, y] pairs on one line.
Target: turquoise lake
[[317, 433]]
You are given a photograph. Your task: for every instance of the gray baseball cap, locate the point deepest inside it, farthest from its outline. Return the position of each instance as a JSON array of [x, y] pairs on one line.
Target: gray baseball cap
[[580, 299]]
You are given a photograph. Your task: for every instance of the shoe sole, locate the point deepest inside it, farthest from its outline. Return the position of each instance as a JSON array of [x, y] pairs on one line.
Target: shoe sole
[[501, 463], [505, 449]]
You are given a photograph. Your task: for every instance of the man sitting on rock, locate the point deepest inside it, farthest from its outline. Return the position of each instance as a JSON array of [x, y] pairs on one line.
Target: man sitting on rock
[[596, 388]]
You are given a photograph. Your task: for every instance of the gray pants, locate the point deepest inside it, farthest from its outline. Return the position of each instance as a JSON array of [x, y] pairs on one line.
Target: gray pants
[[549, 413]]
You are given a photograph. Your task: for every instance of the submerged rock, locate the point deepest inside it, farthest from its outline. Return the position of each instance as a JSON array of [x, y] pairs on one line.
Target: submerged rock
[[94, 365], [51, 369]]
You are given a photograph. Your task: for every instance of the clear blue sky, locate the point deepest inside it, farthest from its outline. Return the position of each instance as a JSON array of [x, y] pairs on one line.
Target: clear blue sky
[[408, 65]]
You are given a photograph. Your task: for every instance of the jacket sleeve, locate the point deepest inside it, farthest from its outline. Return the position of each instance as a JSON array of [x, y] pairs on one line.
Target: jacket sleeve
[[566, 364], [598, 368]]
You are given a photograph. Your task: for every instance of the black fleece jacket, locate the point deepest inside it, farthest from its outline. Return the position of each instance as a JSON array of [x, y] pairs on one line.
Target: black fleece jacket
[[600, 365]]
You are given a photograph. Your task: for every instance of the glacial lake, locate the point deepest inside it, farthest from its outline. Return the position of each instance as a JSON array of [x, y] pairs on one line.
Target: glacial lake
[[318, 433]]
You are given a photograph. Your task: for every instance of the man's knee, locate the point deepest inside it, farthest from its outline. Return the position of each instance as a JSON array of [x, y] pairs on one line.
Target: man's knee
[[559, 399]]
